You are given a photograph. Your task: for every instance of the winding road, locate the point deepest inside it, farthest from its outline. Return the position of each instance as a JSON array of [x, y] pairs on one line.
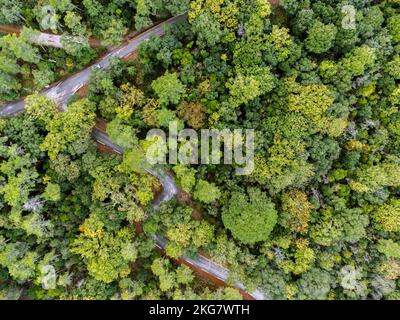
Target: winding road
[[169, 187], [170, 190], [62, 91]]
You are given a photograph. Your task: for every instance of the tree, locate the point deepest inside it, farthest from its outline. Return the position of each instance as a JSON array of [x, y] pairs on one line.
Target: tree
[[35, 224], [320, 37], [111, 30], [316, 80], [184, 275], [206, 192], [52, 192], [344, 225], [312, 101], [91, 289], [40, 108], [314, 284], [350, 281], [165, 117], [390, 269], [193, 113], [130, 289], [93, 8], [243, 89], [358, 61], [10, 11], [393, 68], [108, 254], [284, 167], [43, 76], [76, 46], [185, 177], [134, 160], [142, 17], [394, 29], [168, 88], [389, 248], [207, 28], [160, 267], [296, 211], [381, 287], [304, 258], [74, 22], [251, 218], [21, 47], [21, 180], [203, 234], [16, 257], [121, 134], [281, 43], [388, 216], [373, 178], [65, 167], [69, 131]]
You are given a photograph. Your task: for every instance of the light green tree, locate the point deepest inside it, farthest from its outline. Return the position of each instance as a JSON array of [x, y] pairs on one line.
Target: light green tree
[[168, 88], [251, 218]]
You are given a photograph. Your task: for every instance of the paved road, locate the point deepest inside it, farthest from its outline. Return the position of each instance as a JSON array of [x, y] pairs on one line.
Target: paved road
[[65, 89], [169, 191], [169, 187], [210, 267]]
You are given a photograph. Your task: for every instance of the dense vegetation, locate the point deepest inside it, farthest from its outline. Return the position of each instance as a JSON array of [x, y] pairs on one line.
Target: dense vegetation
[[25, 67], [319, 218]]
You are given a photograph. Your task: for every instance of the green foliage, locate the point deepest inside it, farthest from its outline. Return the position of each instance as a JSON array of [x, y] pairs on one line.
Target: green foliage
[[20, 47], [346, 225], [372, 178], [389, 248], [320, 37], [312, 101], [122, 134], [52, 192], [393, 67], [111, 30], [168, 89], [318, 218], [388, 216], [170, 279], [11, 11], [295, 211], [251, 217], [206, 192], [70, 131], [185, 177], [41, 108], [314, 285], [394, 29], [108, 255]]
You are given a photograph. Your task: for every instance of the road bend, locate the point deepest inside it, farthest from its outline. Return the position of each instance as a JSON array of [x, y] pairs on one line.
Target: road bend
[[62, 91]]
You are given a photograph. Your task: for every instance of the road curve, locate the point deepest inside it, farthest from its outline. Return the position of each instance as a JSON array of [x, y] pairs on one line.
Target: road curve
[[169, 187], [170, 190], [65, 89]]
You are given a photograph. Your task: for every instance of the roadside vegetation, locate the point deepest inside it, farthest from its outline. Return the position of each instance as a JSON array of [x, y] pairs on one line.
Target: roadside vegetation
[[319, 217]]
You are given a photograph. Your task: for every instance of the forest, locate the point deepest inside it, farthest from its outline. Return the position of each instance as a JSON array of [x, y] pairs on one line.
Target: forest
[[83, 216]]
